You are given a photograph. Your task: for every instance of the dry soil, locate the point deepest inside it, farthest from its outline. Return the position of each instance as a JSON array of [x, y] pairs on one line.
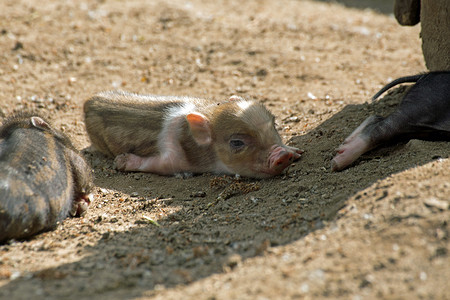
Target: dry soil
[[379, 229]]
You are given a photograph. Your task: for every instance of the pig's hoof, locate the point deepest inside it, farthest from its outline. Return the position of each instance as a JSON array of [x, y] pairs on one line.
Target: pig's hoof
[[120, 162], [334, 166], [343, 159], [349, 152], [298, 152], [80, 206]]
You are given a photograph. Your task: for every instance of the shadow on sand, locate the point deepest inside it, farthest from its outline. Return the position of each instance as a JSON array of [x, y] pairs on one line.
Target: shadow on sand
[[201, 239]]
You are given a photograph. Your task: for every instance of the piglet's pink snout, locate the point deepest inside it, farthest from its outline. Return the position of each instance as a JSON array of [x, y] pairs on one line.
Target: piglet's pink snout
[[280, 158]]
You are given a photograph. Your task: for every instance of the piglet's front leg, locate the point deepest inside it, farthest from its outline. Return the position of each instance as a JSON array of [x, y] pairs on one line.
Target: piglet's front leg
[[166, 164]]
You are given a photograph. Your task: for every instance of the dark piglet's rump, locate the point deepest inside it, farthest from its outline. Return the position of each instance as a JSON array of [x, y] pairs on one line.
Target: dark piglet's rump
[[43, 178]]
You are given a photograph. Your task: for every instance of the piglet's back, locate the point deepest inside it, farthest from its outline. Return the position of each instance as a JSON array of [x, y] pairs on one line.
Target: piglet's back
[[120, 122]]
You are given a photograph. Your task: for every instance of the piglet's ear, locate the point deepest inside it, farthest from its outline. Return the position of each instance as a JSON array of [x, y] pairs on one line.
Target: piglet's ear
[[200, 128], [40, 123]]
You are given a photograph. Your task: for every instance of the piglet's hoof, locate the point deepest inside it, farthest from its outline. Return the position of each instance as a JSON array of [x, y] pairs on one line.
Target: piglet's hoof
[[120, 162], [80, 206]]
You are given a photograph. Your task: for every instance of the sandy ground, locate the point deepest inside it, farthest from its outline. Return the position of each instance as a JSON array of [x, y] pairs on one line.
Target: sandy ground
[[379, 229]]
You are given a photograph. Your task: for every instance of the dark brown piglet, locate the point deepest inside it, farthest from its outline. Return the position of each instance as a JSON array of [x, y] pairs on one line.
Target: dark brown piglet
[[424, 113], [43, 178], [168, 135]]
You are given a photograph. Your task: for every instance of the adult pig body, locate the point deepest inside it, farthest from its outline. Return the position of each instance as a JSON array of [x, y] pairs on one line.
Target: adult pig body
[[424, 113], [167, 134], [43, 178]]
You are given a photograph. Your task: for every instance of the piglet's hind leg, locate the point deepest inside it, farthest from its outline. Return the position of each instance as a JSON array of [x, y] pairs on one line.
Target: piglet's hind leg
[[354, 145], [162, 164]]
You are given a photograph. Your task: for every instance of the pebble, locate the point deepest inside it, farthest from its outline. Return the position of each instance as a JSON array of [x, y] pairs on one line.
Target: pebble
[[423, 276], [255, 199], [200, 194], [317, 275], [311, 96], [234, 260], [441, 204], [15, 275]]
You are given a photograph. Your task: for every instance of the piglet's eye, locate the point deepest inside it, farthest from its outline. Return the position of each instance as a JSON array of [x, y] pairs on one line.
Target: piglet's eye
[[236, 145]]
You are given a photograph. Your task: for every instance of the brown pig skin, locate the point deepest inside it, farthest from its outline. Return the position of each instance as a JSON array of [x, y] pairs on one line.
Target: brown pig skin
[[43, 178]]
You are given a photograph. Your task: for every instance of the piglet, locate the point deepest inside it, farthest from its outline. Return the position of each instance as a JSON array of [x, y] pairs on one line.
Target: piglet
[[169, 135], [424, 113], [43, 178]]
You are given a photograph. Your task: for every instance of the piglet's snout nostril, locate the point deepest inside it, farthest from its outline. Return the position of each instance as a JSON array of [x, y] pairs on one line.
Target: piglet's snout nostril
[[284, 158]]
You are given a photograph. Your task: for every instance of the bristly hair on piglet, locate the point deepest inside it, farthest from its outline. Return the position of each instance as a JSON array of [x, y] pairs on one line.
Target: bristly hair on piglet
[[171, 134]]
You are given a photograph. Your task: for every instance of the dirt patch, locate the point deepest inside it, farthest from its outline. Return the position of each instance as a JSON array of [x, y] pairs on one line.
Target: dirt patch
[[378, 229]]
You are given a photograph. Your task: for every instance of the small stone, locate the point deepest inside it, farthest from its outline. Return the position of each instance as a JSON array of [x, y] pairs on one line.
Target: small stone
[[234, 260], [441, 204], [199, 194], [17, 46], [261, 73], [311, 96]]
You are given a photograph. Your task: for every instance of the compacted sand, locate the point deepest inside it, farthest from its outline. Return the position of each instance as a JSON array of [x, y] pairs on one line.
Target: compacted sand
[[379, 229]]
